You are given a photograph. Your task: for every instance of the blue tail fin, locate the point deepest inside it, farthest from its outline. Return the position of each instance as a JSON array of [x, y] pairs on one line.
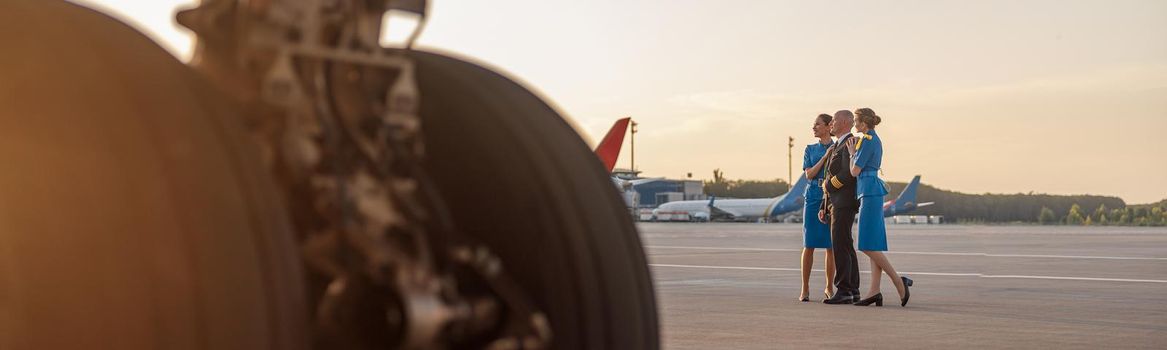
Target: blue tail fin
[[797, 190], [907, 198], [790, 201]]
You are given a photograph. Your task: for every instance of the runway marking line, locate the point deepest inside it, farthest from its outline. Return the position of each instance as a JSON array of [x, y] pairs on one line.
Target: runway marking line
[[925, 253], [921, 273]]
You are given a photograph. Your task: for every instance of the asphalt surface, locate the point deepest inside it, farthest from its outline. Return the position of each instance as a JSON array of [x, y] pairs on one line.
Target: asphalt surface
[[735, 285]]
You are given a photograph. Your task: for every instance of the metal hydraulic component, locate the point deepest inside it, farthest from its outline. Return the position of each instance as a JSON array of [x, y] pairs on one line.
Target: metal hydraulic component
[[336, 118]]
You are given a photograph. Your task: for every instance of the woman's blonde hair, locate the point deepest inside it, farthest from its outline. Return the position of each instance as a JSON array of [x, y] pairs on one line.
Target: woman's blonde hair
[[867, 116]]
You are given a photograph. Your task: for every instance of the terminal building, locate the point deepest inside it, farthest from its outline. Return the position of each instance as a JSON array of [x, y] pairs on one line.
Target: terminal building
[[652, 192], [660, 191]]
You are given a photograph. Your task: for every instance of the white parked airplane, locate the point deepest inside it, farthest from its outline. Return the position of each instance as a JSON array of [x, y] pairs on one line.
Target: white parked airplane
[[740, 209]]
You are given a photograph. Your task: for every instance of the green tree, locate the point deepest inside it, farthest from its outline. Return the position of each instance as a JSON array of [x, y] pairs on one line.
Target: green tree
[[1046, 217], [1114, 216], [722, 187], [718, 187], [757, 189], [1156, 218], [1074, 217], [1140, 212], [1100, 213], [1089, 221]]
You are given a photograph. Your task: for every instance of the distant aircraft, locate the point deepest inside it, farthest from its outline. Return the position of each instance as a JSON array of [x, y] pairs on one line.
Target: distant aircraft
[[609, 147], [740, 209], [608, 150], [906, 201]]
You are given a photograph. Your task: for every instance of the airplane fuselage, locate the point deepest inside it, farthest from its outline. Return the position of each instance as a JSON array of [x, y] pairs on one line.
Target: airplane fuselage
[[741, 208]]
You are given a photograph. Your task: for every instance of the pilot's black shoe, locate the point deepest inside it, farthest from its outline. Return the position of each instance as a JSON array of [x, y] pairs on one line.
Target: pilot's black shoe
[[841, 298]]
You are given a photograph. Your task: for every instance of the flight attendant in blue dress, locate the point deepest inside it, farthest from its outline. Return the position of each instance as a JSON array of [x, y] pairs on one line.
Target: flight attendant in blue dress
[[866, 155], [816, 234]]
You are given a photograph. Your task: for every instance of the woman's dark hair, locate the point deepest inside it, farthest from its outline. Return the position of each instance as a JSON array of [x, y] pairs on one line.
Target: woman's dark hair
[[867, 116], [826, 118]]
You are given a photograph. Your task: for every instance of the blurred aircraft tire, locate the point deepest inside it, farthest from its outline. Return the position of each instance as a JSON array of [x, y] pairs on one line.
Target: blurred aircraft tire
[[518, 178], [134, 210]]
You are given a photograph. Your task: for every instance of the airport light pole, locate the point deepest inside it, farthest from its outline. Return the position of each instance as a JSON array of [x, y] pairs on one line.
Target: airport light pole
[[790, 164], [633, 147]]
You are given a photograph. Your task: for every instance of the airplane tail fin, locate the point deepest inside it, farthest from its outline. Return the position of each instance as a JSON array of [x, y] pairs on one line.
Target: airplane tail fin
[[609, 147], [799, 186], [790, 200], [908, 196], [795, 192]]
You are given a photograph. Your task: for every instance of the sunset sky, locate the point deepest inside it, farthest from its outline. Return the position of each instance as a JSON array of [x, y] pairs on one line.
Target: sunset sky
[[1060, 97]]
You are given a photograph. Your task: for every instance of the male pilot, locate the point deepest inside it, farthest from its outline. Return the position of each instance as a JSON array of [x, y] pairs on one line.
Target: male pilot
[[839, 209]]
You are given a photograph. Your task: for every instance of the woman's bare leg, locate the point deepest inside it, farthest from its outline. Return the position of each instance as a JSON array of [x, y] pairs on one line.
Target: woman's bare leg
[[830, 269], [807, 262], [876, 273], [880, 260]]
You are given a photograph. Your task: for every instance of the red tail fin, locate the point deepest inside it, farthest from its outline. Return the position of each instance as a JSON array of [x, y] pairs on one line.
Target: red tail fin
[[609, 147]]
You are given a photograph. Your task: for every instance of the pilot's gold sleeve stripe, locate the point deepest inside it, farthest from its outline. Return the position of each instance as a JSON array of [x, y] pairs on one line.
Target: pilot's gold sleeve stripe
[[835, 181]]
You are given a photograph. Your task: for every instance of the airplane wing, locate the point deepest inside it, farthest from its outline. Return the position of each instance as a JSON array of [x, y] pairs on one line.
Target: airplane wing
[[716, 212], [645, 180]]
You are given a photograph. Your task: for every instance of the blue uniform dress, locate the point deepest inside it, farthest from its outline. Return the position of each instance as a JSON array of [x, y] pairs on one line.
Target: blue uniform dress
[[870, 190], [815, 234]]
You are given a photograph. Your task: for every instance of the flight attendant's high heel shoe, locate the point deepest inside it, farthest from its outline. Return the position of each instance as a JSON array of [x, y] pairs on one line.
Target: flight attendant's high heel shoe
[[877, 299], [907, 293]]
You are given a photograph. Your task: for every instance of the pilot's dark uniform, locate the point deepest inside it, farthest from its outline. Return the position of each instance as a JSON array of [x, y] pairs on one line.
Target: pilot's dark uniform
[[841, 206]]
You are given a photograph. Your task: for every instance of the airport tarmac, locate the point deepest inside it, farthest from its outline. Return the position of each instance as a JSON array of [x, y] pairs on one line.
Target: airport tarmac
[[735, 285]]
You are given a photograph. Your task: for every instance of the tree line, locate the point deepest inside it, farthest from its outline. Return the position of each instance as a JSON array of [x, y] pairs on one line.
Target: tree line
[[1045, 209], [1140, 215], [721, 187]]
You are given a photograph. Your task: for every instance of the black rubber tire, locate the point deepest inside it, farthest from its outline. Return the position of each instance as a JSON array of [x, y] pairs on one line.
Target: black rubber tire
[[518, 178], [135, 213]]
